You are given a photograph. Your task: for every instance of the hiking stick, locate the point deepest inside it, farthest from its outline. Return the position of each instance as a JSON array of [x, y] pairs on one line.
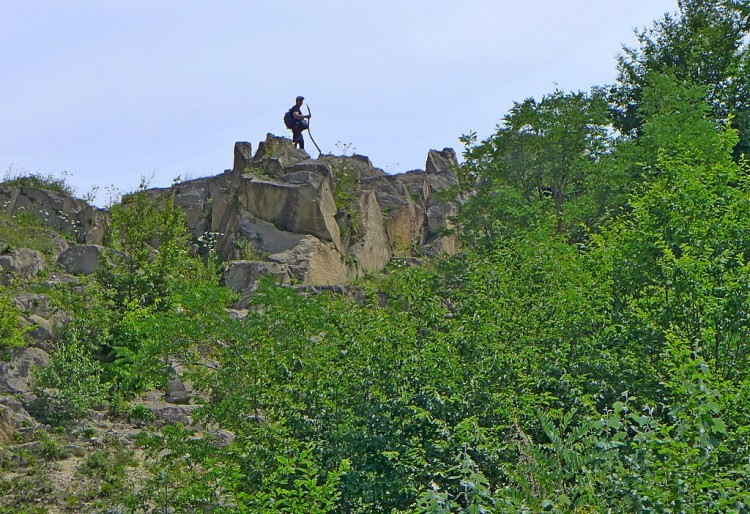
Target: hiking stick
[[310, 133]]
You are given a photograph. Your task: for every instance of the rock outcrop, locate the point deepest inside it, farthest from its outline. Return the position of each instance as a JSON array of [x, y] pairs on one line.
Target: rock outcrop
[[322, 221], [59, 211], [319, 221], [20, 263]]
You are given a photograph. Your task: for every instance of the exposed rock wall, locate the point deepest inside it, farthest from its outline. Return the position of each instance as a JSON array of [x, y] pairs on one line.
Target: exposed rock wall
[[59, 211], [321, 221]]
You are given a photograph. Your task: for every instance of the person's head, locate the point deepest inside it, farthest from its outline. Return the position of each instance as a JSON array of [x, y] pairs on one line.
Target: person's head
[[300, 99]]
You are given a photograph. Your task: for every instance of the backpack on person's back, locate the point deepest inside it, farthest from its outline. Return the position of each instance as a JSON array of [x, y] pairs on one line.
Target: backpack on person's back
[[289, 120]]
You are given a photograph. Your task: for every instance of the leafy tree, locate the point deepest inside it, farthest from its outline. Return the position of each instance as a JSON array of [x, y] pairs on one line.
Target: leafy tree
[[150, 238], [681, 257], [542, 158], [705, 43]]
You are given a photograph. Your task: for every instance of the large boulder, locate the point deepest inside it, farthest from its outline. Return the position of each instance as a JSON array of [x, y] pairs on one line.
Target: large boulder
[[358, 166], [81, 259], [13, 416], [240, 276], [243, 157], [278, 150], [301, 203], [36, 304], [21, 263], [372, 249], [403, 217], [43, 318], [440, 169], [314, 262], [265, 238], [16, 373], [192, 197], [417, 183], [7, 430], [439, 224]]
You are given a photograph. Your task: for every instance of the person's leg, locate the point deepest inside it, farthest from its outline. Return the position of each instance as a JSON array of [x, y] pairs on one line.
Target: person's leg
[[297, 138]]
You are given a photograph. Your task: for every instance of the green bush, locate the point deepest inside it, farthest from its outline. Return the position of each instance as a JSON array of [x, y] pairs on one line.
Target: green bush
[[11, 329], [109, 467], [68, 386], [141, 412]]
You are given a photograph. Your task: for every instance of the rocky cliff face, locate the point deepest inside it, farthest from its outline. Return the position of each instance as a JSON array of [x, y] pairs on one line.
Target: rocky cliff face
[[59, 211], [320, 221], [316, 222]]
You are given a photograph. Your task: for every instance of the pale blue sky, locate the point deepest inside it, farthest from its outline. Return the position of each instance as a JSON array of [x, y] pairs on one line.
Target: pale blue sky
[[110, 91]]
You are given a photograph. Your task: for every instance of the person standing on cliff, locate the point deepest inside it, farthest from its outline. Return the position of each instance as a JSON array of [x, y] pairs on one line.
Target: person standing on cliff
[[300, 123]]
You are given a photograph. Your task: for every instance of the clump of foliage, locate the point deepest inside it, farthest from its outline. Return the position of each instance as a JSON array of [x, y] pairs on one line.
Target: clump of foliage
[[151, 239], [69, 385], [25, 230], [108, 467], [12, 327]]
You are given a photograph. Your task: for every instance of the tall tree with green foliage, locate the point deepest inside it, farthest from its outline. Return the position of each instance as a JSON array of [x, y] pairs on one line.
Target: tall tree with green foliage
[[681, 256], [705, 43], [542, 159]]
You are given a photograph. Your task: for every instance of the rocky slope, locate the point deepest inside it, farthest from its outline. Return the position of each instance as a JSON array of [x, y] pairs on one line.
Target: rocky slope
[[316, 223]]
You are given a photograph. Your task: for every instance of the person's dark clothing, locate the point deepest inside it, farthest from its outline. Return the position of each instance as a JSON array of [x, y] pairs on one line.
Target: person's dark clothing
[[299, 126]]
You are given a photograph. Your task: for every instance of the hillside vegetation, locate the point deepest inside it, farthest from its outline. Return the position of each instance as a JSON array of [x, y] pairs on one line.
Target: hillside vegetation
[[587, 351]]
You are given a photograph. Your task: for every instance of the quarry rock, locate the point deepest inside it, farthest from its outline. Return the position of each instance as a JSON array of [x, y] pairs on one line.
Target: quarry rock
[[81, 259], [314, 262], [438, 222], [440, 175], [280, 206], [372, 249], [240, 276], [21, 263], [243, 157], [14, 412], [301, 204], [16, 373], [280, 148], [177, 392], [57, 210]]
